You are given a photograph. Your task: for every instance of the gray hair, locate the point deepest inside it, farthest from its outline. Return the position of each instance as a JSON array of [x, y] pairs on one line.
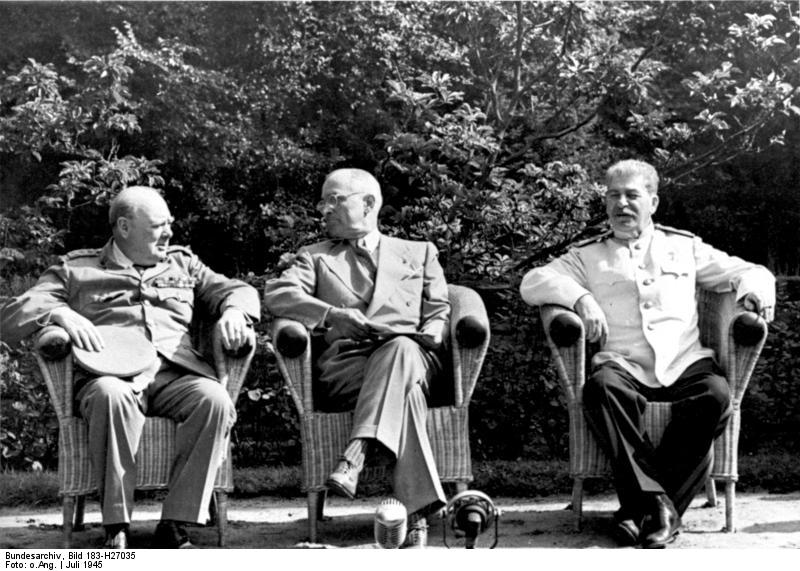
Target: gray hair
[[633, 167], [125, 203]]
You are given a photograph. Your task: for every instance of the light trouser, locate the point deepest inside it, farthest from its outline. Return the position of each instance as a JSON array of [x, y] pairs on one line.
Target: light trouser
[[388, 384], [614, 404], [115, 413]]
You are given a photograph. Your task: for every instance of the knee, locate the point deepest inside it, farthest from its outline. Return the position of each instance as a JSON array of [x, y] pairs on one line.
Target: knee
[[111, 390], [719, 391], [214, 400], [597, 384], [401, 345]]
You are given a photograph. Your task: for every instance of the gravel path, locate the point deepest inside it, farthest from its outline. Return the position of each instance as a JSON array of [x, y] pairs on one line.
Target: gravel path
[[764, 521]]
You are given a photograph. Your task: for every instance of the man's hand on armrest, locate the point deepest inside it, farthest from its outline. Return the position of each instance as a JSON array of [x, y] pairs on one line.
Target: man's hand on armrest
[[594, 320], [234, 329], [753, 302], [82, 331]]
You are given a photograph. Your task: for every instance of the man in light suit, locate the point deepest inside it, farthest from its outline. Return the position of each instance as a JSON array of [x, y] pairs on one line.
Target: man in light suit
[[139, 282], [634, 289], [381, 304]]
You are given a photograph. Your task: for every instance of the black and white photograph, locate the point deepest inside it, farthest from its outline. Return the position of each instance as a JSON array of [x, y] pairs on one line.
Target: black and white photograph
[[520, 276]]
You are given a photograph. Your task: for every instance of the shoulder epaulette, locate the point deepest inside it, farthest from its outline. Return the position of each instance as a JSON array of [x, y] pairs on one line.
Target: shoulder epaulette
[[176, 249], [672, 230], [84, 253], [592, 240]]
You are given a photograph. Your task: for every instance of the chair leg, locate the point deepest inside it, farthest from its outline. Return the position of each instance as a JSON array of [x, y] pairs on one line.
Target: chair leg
[[711, 493], [80, 509], [323, 495], [730, 508], [316, 501], [222, 517], [68, 513], [577, 502]]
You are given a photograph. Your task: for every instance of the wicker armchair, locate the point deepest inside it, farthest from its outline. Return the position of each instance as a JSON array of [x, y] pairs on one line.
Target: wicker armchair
[[157, 446], [325, 435], [736, 336]]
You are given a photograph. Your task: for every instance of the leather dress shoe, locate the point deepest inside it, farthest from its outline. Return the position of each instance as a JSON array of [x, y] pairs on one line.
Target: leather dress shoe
[[626, 529], [417, 535], [171, 535], [343, 480], [116, 537], [663, 525]]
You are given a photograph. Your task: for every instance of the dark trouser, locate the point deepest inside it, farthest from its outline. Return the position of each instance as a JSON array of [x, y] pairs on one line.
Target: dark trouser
[[614, 404]]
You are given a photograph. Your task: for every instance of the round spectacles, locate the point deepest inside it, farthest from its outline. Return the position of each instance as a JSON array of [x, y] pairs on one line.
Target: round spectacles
[[335, 200]]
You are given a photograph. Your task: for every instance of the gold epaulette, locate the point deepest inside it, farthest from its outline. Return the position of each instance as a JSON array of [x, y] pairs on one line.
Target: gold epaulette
[[672, 230], [593, 240], [84, 253]]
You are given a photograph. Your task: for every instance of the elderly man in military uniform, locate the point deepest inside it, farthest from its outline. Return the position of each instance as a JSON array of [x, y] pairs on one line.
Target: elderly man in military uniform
[[141, 283], [634, 289]]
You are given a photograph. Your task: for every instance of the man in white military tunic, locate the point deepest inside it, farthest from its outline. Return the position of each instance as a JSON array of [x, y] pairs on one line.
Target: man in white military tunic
[[139, 282], [634, 289]]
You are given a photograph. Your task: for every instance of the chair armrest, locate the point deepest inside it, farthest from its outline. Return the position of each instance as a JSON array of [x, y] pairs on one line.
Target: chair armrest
[[747, 335], [232, 366], [469, 340], [566, 338], [53, 351], [293, 353], [736, 336]]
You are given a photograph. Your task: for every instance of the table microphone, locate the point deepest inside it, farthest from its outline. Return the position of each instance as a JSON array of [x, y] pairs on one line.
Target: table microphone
[[390, 524]]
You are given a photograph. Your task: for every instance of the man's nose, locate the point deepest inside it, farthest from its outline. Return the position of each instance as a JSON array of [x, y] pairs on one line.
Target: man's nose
[[168, 231]]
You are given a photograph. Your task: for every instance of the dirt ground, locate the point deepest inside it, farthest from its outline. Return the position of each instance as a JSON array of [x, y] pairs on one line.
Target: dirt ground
[[763, 521]]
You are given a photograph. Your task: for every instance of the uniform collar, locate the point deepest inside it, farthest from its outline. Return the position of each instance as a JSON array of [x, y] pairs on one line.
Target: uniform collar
[[119, 257], [630, 240]]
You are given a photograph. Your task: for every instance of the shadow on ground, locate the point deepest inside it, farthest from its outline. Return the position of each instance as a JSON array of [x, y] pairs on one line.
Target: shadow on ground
[[764, 521]]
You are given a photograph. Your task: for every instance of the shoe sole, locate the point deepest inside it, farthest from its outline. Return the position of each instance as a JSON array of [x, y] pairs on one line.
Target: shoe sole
[[339, 490], [663, 545], [625, 536]]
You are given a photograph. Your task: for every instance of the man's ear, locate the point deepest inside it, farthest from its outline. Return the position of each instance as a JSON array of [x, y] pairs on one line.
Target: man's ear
[[654, 203], [369, 201], [123, 226]]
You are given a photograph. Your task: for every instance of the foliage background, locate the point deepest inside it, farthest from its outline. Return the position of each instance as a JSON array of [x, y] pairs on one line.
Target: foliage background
[[488, 124]]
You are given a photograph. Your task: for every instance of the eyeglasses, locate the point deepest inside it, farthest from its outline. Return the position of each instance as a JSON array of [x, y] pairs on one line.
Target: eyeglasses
[[335, 200]]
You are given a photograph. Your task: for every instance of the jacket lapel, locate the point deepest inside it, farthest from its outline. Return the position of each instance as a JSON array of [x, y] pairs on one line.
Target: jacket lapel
[[393, 264], [337, 263]]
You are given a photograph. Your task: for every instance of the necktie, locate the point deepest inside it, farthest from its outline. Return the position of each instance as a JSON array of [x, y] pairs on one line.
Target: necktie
[[363, 269]]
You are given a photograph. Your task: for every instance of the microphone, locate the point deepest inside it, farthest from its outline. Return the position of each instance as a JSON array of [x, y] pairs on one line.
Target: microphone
[[470, 513], [390, 524]]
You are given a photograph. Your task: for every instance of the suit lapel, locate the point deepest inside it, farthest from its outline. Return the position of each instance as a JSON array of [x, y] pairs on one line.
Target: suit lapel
[[337, 263], [393, 264]]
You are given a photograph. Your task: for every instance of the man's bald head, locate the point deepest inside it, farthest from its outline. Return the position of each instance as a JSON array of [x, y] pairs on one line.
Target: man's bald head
[[130, 199], [351, 201], [141, 223]]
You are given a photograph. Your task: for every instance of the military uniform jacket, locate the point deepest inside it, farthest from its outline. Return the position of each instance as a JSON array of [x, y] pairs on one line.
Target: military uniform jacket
[[160, 302], [410, 293], [647, 289]]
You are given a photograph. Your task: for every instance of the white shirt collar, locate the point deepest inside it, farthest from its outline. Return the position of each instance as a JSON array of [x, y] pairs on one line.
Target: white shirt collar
[[371, 241]]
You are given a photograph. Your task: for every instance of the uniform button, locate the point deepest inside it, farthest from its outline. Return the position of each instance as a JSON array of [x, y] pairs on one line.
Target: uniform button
[[642, 266], [648, 304], [648, 281], [637, 246], [650, 327]]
